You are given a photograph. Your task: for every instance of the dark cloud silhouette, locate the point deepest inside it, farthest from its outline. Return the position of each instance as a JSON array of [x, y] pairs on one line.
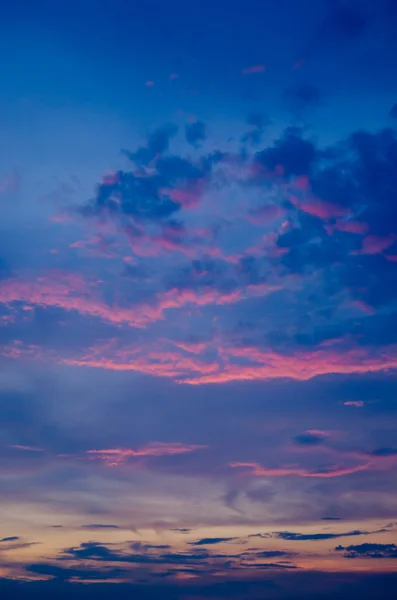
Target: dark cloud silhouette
[[152, 192], [195, 132], [292, 536], [369, 551], [100, 552], [290, 155], [309, 438], [271, 553], [210, 541], [12, 538], [67, 573], [288, 584], [99, 526]]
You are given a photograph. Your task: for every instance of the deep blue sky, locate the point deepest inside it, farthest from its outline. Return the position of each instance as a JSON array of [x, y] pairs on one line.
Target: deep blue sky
[[198, 298]]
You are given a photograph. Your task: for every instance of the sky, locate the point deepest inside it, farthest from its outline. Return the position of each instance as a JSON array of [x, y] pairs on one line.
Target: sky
[[198, 299]]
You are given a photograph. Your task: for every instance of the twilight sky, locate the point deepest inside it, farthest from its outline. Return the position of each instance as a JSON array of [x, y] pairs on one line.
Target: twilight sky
[[198, 299]]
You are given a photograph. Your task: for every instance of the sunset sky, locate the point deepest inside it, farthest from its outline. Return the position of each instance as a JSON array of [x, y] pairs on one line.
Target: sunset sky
[[198, 299]]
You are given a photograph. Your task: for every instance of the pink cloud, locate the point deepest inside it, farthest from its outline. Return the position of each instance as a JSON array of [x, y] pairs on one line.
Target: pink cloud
[[189, 363], [334, 471], [254, 69], [187, 366], [375, 244], [355, 403], [69, 292], [149, 83], [364, 307], [300, 366], [348, 226], [26, 448], [114, 457], [173, 76], [157, 363], [72, 293], [319, 208], [188, 196]]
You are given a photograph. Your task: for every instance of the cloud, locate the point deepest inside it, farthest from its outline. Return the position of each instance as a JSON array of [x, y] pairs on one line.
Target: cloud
[[257, 470], [12, 538], [113, 457], [158, 143], [300, 366], [291, 155], [369, 551], [68, 573], [210, 541], [195, 132], [254, 69], [310, 438], [384, 452], [303, 537], [99, 526]]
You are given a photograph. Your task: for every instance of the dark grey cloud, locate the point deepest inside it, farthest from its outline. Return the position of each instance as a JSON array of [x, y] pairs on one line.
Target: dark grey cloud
[[369, 551], [302, 537], [211, 541], [12, 538], [271, 553], [99, 526], [96, 551], [67, 573]]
